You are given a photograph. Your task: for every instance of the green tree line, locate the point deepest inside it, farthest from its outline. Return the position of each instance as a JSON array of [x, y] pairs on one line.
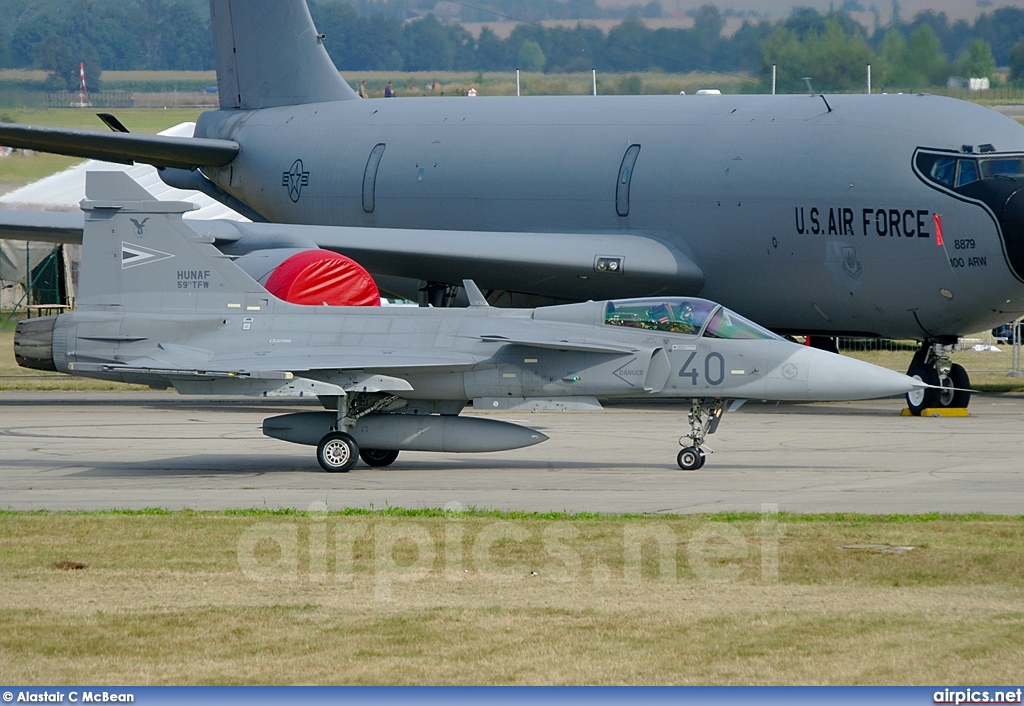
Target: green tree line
[[55, 35]]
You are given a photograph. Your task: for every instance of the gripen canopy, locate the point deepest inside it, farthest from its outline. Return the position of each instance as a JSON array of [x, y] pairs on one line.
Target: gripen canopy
[[688, 315]]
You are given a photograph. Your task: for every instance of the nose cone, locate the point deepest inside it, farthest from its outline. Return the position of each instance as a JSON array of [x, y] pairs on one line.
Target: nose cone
[[819, 376], [836, 377]]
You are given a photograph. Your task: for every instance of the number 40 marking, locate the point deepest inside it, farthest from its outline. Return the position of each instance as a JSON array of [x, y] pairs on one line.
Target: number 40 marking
[[714, 369]]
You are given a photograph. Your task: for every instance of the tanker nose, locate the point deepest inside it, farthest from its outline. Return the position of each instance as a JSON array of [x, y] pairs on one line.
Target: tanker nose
[[1012, 221]]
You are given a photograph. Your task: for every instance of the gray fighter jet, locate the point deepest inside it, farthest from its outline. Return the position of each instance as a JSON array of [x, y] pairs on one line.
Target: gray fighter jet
[[898, 216], [160, 305]]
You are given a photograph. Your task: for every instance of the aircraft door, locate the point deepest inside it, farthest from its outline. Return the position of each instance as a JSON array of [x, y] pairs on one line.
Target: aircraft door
[[623, 180], [370, 176]]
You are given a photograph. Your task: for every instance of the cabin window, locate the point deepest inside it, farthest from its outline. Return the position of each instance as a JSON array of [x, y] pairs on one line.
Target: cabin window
[[625, 177], [370, 177]]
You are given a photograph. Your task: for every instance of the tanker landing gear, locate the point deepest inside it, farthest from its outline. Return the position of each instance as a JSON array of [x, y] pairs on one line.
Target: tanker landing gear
[[438, 294], [931, 364], [703, 417]]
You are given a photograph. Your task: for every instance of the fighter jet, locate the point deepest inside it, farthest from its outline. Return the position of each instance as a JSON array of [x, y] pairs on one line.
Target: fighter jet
[[897, 216], [160, 305]]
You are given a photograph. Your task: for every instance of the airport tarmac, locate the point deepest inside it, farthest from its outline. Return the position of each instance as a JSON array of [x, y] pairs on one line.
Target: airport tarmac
[[68, 451]]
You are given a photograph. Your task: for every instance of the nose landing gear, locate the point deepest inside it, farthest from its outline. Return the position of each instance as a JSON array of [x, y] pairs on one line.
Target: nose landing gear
[[704, 416], [931, 364]]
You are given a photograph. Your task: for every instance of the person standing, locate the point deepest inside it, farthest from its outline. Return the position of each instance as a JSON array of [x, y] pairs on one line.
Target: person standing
[[389, 92], [362, 90]]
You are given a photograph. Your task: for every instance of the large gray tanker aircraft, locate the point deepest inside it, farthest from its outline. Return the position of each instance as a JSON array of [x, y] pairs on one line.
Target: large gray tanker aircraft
[[898, 216], [160, 305]]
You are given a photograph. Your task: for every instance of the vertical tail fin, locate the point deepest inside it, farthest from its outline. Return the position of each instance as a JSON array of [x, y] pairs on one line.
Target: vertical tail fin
[[270, 54], [138, 255]]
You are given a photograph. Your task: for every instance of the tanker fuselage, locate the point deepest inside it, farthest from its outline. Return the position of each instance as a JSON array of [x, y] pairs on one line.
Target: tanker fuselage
[[804, 213]]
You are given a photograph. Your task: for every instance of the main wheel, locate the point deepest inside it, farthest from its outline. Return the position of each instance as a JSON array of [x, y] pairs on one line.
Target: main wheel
[[337, 452], [919, 400], [959, 379], [690, 458], [377, 457]]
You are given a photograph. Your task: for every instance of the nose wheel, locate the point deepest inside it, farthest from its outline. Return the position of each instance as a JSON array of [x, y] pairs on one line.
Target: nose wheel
[[920, 400], [691, 458], [951, 383]]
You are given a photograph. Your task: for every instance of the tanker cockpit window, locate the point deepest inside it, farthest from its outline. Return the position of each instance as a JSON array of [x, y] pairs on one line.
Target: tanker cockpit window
[[944, 170], [956, 171], [951, 171], [1003, 167], [729, 324], [673, 315], [966, 172]]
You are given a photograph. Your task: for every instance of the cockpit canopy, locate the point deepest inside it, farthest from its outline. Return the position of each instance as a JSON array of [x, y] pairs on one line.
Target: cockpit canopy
[[683, 315]]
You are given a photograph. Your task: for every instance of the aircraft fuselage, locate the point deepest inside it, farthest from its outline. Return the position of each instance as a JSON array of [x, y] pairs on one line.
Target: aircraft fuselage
[[804, 213]]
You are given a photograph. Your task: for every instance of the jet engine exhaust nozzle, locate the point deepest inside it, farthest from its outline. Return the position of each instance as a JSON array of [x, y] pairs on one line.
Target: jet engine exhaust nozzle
[[33, 343]]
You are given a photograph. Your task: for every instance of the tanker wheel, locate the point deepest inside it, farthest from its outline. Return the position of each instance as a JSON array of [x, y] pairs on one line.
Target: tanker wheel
[[337, 452], [960, 380], [921, 399], [378, 457]]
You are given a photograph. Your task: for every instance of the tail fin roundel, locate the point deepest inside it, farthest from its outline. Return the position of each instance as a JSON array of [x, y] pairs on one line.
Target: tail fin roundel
[[269, 54]]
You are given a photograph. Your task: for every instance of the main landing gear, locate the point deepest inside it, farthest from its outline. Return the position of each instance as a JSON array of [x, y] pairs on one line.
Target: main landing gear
[[378, 457], [931, 364], [704, 416], [338, 450]]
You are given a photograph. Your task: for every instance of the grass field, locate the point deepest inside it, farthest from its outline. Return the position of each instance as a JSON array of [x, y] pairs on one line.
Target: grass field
[[954, 9], [415, 598], [18, 169]]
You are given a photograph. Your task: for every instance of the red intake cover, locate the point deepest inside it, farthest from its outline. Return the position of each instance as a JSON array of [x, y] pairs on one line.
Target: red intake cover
[[322, 277]]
